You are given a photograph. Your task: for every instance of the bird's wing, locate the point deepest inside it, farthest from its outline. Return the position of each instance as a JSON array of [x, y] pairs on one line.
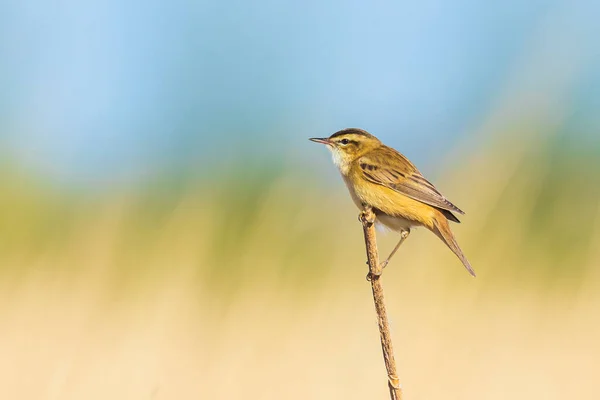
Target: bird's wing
[[389, 168]]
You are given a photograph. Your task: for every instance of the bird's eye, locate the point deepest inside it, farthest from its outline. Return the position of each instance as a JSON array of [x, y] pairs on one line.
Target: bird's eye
[[344, 141]]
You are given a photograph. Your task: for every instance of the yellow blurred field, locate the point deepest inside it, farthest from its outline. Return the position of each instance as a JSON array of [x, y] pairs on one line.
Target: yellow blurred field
[[259, 292]]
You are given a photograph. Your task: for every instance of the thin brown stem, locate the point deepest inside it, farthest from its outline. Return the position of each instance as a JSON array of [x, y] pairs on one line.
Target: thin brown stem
[[367, 217]]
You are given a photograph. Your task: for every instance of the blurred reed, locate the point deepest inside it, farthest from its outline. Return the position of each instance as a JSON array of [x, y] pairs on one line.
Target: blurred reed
[[245, 286]]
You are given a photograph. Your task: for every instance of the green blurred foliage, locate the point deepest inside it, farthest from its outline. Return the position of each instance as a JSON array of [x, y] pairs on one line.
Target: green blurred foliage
[[261, 266], [289, 224]]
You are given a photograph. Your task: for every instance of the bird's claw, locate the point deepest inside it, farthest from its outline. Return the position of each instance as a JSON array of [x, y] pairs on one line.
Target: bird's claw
[[366, 217], [371, 276]]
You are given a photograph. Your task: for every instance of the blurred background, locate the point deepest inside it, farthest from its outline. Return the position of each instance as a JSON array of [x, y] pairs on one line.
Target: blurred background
[[167, 231]]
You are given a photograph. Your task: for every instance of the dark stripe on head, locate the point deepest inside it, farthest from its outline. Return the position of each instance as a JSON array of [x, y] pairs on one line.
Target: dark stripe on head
[[354, 131]]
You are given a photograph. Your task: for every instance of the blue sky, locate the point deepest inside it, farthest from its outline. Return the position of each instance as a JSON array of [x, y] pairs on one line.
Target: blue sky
[[102, 91]]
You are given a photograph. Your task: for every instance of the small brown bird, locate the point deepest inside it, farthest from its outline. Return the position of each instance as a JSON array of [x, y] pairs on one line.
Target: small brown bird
[[378, 176]]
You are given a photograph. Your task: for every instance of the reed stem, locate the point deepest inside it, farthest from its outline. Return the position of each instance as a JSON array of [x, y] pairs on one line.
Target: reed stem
[[367, 217]]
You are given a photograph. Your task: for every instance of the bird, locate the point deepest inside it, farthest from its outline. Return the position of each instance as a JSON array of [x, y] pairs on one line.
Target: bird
[[382, 178]]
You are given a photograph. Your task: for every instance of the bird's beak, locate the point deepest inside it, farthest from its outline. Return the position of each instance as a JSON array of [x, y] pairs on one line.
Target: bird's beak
[[320, 140]]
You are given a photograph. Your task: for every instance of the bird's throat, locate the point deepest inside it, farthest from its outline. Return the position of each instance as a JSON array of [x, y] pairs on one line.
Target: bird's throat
[[340, 161]]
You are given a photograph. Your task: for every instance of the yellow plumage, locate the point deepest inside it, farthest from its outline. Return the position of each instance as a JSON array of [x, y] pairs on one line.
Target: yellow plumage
[[382, 178]]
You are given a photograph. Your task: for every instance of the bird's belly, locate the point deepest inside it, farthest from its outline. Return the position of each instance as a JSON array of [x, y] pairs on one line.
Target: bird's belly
[[393, 210], [395, 223]]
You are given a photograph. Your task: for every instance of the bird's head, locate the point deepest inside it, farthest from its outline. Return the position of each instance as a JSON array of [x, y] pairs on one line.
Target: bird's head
[[348, 145]]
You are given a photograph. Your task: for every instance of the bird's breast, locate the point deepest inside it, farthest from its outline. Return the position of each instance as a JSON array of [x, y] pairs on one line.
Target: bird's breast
[[394, 210], [395, 223], [353, 193]]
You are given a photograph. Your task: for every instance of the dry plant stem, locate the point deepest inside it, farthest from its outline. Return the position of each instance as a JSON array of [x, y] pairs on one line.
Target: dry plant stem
[[367, 217]]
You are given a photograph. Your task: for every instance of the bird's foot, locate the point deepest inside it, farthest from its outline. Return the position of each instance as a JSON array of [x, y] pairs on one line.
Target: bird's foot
[[367, 217], [372, 276]]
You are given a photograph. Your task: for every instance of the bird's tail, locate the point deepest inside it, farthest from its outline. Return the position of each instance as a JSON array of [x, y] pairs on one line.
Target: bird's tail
[[442, 230]]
